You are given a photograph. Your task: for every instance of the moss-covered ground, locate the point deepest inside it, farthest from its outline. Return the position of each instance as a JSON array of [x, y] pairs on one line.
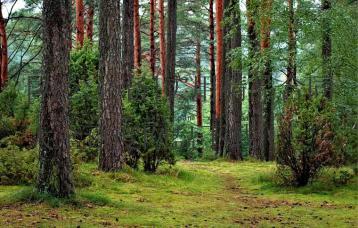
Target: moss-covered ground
[[192, 194]]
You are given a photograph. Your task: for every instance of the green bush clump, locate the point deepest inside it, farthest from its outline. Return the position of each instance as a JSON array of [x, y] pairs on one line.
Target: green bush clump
[[147, 126], [18, 166], [307, 138]]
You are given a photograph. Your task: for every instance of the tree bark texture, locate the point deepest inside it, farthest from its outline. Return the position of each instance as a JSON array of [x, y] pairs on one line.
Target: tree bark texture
[[90, 20], [212, 69], [268, 120], [162, 43], [80, 22], [137, 37], [128, 44], [255, 84], [55, 163], [4, 51], [234, 103], [152, 37], [170, 55], [199, 102], [292, 52], [111, 139]]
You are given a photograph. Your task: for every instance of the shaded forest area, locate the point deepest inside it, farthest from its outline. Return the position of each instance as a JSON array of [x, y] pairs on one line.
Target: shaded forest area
[[204, 113]]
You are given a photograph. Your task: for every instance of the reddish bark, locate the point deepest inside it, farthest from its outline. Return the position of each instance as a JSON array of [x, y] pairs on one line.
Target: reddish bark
[[152, 38], [137, 39], [162, 42], [90, 20], [219, 55], [199, 103], [212, 65], [80, 22], [4, 57]]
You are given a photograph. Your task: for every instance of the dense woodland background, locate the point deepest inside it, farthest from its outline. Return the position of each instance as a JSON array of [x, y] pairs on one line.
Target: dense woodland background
[[140, 86]]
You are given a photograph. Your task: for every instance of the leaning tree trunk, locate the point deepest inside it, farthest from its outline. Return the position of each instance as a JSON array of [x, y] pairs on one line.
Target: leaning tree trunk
[[268, 121], [255, 102], [152, 37], [170, 55], [80, 22], [55, 162], [90, 20], [327, 50], [199, 102], [111, 142], [162, 43], [234, 103], [4, 57], [137, 37], [212, 69], [128, 44], [219, 70]]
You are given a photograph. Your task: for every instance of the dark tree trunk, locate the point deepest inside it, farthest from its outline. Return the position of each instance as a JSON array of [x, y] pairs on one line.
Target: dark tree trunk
[[234, 105], [128, 45], [162, 43], [170, 58], [90, 20], [199, 102], [111, 143], [137, 37], [4, 57], [268, 121], [219, 72], [255, 85], [292, 52], [152, 38], [80, 22], [212, 70], [327, 50], [55, 163]]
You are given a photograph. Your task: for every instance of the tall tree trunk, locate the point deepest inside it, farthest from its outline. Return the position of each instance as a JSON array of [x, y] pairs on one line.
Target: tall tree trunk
[[199, 102], [212, 69], [219, 69], [268, 121], [234, 105], [128, 44], [327, 50], [111, 140], [137, 38], [4, 57], [292, 52], [80, 22], [90, 20], [162, 43], [55, 162], [255, 102], [152, 38], [170, 55]]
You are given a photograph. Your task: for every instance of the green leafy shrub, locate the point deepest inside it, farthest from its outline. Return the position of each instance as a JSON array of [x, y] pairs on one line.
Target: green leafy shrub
[[307, 138], [342, 178], [147, 127], [18, 166]]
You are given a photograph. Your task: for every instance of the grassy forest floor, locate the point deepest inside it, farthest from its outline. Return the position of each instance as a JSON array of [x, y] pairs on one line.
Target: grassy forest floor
[[204, 194]]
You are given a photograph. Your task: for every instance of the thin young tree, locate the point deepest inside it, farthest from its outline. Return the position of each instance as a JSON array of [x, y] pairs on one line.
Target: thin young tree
[[162, 43], [212, 68], [128, 44], [80, 22], [137, 36], [152, 37], [4, 51], [111, 139], [55, 162], [199, 102], [170, 55], [292, 51], [90, 20], [268, 112], [219, 69], [327, 49]]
